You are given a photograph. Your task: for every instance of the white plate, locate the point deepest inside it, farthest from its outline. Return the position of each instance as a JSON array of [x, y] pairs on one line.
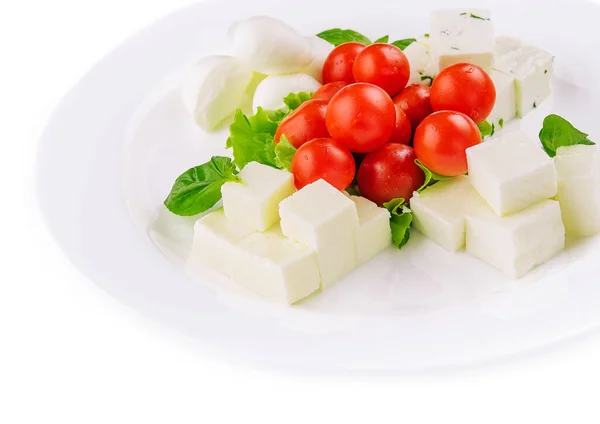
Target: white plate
[[116, 143]]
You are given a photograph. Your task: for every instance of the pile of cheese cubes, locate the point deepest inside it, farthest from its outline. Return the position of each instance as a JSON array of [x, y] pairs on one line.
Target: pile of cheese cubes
[[521, 73], [503, 212], [285, 244]]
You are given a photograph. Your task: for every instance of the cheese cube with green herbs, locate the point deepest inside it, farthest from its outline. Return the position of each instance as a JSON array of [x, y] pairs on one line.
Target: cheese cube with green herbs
[[255, 201], [505, 44], [505, 107], [422, 66], [462, 35], [373, 233], [511, 172], [578, 170]]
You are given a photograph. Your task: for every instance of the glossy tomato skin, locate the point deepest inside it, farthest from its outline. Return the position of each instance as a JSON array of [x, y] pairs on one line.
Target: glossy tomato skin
[[323, 158], [414, 100], [339, 63], [466, 88], [304, 124], [383, 65], [402, 130], [361, 117], [442, 139], [390, 172], [327, 91]]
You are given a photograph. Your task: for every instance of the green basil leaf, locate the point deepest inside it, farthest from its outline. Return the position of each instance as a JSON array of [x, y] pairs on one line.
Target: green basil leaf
[[199, 188], [402, 44], [393, 205], [486, 129], [557, 132], [400, 226], [284, 153], [430, 176], [294, 100], [383, 39], [337, 36]]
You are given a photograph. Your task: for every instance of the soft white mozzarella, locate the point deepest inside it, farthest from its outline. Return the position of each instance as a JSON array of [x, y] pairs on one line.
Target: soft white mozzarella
[[511, 172], [440, 211], [505, 107], [270, 46], [275, 267], [321, 217], [320, 50], [270, 92], [422, 65], [255, 201], [517, 243], [462, 35], [578, 171], [373, 234], [215, 240], [505, 44], [246, 106], [214, 88]]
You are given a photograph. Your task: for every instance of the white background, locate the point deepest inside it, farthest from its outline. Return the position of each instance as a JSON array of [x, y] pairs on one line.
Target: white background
[[70, 353]]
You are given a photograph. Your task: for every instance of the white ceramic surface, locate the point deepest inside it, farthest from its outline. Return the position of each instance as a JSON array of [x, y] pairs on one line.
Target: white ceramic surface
[[117, 141]]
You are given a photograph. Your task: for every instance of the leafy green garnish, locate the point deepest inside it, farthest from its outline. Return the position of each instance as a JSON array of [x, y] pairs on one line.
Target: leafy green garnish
[[294, 100], [337, 36], [284, 153], [198, 189], [486, 129], [454, 48], [400, 220], [501, 122], [427, 77], [534, 105], [426, 35], [251, 138], [393, 205], [475, 16], [430, 176], [402, 44], [383, 39], [558, 132]]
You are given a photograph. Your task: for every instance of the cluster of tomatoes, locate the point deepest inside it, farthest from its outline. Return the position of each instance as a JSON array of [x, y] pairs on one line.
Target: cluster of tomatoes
[[365, 126]]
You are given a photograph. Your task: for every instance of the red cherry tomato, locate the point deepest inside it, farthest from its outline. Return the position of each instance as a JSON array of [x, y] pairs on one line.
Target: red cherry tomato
[[338, 65], [466, 88], [414, 101], [390, 172], [442, 139], [304, 124], [327, 91], [403, 130], [384, 65], [323, 158], [361, 117]]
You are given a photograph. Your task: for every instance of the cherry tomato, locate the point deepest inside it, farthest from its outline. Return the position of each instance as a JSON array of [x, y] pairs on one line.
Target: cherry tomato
[[390, 172], [323, 158], [442, 139], [403, 130], [384, 65], [361, 116], [338, 65], [327, 91], [414, 101], [465, 88], [304, 124]]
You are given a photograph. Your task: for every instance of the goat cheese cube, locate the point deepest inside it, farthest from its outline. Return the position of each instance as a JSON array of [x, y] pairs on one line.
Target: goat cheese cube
[[517, 243], [505, 44], [255, 201], [505, 106], [422, 66], [275, 267], [462, 35], [215, 239], [373, 234], [578, 171], [532, 69], [511, 172], [322, 218], [439, 211]]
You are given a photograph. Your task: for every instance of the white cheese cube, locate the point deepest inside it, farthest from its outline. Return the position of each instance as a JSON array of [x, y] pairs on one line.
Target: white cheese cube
[[215, 239], [255, 201], [517, 243], [462, 35], [324, 219], [505, 108], [578, 171], [422, 66], [505, 44], [511, 172], [532, 69], [275, 267], [440, 211], [373, 234]]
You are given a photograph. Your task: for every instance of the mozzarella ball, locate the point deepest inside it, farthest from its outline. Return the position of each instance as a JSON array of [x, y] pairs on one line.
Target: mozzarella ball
[[271, 91], [320, 50]]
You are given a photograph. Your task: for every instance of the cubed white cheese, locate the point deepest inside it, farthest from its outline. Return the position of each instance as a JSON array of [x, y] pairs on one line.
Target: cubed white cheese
[[462, 35], [373, 234], [215, 240], [505, 108], [439, 211], [255, 201], [578, 171], [515, 244], [511, 172], [532, 70], [422, 66], [324, 219], [275, 267], [505, 44]]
